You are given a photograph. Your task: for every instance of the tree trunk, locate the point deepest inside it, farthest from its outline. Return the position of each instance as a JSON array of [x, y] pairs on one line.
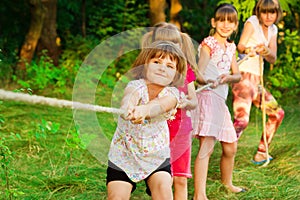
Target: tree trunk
[[297, 20], [33, 35], [176, 7], [48, 38], [157, 11], [83, 14]]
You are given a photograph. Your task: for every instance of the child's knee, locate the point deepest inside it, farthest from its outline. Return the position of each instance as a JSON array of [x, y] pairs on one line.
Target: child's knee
[[280, 114], [162, 190], [160, 184], [205, 151], [276, 116], [229, 149], [180, 181], [240, 125]]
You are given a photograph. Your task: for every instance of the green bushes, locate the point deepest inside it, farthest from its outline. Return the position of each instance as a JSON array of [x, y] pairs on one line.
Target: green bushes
[[284, 80], [43, 74]]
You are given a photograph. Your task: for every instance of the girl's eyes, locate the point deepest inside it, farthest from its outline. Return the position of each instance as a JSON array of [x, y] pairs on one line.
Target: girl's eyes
[[171, 66], [168, 65]]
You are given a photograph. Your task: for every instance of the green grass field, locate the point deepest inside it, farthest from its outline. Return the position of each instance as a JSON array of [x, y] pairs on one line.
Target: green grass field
[[42, 157]]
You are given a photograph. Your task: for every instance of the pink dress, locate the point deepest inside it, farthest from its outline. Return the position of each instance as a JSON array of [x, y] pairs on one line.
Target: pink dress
[[212, 117], [180, 135]]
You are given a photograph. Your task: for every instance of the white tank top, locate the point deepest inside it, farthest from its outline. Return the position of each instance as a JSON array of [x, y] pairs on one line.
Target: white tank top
[[251, 65]]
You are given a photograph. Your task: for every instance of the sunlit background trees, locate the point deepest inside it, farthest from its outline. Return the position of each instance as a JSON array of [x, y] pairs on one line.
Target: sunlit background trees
[[54, 36]]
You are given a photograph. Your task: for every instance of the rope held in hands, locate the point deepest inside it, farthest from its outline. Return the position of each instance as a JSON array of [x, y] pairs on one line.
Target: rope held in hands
[[210, 84]]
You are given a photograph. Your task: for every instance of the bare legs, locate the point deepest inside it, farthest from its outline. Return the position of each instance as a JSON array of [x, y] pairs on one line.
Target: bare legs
[[206, 147], [227, 165], [180, 188], [201, 166], [160, 185], [118, 190]]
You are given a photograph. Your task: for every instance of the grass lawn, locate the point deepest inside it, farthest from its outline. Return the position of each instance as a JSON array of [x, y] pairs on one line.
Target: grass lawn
[[42, 157]]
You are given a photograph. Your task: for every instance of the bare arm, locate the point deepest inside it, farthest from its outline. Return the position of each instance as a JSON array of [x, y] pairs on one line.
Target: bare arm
[[153, 108], [269, 53], [202, 63], [130, 99], [248, 30]]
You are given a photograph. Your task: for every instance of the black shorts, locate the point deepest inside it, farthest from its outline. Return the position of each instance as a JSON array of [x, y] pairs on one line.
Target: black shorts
[[114, 173]]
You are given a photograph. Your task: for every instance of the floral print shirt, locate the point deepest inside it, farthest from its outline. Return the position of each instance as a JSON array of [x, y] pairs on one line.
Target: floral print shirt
[[139, 149], [220, 62]]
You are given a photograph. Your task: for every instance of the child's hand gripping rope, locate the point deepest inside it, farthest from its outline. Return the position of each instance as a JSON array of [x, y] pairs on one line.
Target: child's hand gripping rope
[[249, 52], [223, 77], [211, 84], [204, 87], [260, 49], [184, 102]]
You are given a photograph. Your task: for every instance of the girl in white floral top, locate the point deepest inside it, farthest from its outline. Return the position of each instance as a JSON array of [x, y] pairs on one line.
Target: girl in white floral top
[[140, 146]]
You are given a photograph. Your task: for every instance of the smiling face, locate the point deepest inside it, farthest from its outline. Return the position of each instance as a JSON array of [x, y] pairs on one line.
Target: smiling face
[[161, 70], [224, 28], [225, 21], [162, 63]]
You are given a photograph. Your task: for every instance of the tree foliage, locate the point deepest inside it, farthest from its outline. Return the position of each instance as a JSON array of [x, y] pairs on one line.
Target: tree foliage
[[284, 79], [82, 25]]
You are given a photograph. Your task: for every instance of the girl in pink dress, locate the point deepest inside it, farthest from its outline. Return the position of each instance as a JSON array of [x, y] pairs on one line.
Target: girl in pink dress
[[140, 146], [212, 119], [181, 126]]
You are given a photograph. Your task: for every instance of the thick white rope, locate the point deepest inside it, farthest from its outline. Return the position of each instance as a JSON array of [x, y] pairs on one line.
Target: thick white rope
[[204, 87], [34, 99], [263, 111], [243, 59]]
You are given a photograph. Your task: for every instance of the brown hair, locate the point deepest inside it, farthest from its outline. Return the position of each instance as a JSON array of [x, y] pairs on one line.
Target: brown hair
[[161, 49], [224, 12], [169, 32], [268, 6]]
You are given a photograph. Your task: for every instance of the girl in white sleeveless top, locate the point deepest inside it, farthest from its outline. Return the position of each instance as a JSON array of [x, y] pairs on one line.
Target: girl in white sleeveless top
[[259, 38]]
